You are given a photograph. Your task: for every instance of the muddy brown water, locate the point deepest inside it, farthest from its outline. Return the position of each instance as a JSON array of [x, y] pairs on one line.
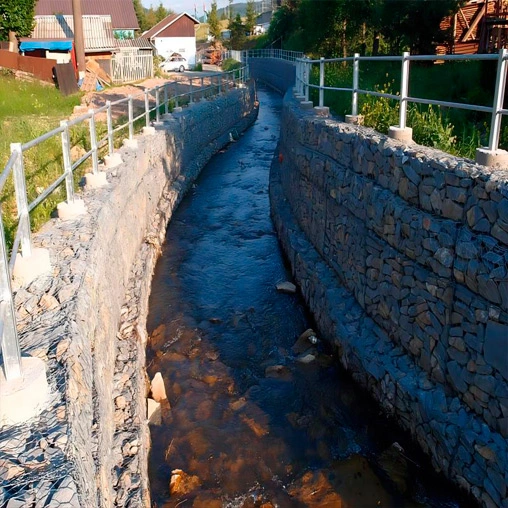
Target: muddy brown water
[[246, 423]]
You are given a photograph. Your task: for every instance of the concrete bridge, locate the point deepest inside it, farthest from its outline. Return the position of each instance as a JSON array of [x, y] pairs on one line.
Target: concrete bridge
[[400, 251]]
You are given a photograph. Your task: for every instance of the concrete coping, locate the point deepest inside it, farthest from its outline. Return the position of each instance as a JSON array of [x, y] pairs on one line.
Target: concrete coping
[[402, 134], [28, 268], [493, 158], [70, 210], [148, 131], [130, 143], [95, 180], [322, 110], [355, 119], [24, 397], [113, 160], [306, 105]]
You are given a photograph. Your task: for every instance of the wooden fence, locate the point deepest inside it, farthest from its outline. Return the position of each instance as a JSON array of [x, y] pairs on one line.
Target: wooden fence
[[41, 68], [129, 67]]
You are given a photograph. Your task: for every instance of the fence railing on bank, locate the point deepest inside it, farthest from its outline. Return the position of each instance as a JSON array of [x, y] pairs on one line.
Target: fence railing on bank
[[304, 67], [122, 116]]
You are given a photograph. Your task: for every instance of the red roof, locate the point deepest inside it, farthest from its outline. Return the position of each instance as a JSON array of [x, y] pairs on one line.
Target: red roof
[[123, 16], [168, 20]]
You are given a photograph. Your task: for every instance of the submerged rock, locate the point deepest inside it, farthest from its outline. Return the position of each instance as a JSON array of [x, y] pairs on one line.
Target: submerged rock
[[306, 341], [182, 483]]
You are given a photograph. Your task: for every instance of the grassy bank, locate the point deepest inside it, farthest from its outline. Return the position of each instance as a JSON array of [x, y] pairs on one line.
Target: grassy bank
[[455, 131], [28, 110]]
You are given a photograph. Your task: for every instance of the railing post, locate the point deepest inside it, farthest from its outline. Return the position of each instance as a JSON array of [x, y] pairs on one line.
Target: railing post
[[147, 109], [9, 338], [157, 105], [166, 101], [307, 80], [66, 152], [190, 91], [356, 72], [131, 118], [111, 146], [22, 201], [321, 82], [93, 142], [495, 125], [404, 88]]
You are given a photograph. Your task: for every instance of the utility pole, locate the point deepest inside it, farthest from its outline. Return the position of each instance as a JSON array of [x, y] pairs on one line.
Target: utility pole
[[79, 43]]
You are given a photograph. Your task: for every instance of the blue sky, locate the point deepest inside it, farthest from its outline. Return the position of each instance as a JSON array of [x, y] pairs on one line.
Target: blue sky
[[185, 5]]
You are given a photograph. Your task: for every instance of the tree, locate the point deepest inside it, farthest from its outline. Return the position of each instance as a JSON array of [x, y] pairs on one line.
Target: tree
[[250, 16], [16, 18], [213, 22], [140, 14], [161, 12], [238, 37]]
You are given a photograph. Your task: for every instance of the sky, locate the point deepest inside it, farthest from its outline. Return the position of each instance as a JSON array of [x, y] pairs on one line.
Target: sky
[[185, 5]]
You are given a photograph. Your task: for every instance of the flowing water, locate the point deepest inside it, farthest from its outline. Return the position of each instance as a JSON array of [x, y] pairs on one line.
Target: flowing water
[[247, 423]]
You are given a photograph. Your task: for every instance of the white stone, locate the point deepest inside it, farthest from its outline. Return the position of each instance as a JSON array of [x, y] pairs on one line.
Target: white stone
[[24, 397], [158, 388], [69, 211], [130, 143], [113, 160], [27, 269], [95, 181], [307, 358]]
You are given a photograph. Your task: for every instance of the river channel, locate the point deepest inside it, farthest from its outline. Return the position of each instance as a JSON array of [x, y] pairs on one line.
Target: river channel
[[248, 423]]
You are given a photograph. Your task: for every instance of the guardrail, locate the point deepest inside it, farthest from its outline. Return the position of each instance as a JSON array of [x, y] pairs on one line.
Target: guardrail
[[303, 85], [279, 54], [154, 102]]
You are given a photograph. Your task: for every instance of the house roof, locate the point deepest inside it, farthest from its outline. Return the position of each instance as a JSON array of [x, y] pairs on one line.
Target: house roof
[[167, 21], [97, 31], [123, 16], [139, 43]]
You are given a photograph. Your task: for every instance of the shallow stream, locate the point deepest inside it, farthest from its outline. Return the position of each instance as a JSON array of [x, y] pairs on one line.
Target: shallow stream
[[248, 423]]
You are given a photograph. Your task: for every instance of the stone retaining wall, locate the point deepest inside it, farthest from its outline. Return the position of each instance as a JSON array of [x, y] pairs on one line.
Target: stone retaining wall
[[92, 309], [402, 253], [278, 74]]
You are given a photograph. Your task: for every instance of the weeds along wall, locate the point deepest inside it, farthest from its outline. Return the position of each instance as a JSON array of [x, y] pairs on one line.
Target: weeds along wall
[[105, 261], [401, 253]]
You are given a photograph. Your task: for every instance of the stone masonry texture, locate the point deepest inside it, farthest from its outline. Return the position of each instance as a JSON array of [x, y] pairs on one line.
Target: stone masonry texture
[[401, 252], [88, 318]]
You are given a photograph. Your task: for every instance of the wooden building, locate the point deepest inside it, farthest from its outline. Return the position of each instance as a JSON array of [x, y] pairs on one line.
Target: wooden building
[[480, 26]]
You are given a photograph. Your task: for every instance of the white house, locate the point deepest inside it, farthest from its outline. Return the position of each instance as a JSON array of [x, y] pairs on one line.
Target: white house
[[175, 34]]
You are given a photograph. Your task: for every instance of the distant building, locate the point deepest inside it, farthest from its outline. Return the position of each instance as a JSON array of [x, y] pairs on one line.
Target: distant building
[[175, 34], [480, 26]]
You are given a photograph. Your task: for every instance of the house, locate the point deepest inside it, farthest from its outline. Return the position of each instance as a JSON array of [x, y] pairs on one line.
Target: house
[[53, 37], [123, 17], [263, 23], [175, 34], [479, 26]]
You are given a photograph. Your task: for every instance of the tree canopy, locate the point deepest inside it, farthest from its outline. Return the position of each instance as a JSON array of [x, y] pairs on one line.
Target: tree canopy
[[147, 18], [213, 22], [340, 27], [16, 16]]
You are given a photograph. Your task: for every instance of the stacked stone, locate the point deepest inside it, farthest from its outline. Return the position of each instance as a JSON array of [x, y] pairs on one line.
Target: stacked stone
[[89, 448], [418, 237]]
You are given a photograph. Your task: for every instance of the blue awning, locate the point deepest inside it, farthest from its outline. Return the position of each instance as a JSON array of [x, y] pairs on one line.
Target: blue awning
[[50, 45]]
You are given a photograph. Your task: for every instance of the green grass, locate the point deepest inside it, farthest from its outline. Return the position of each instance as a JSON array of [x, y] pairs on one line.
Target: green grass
[[28, 110]]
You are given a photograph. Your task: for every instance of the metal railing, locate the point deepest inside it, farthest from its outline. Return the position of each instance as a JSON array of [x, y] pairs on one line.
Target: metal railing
[[135, 110], [279, 54], [303, 85]]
